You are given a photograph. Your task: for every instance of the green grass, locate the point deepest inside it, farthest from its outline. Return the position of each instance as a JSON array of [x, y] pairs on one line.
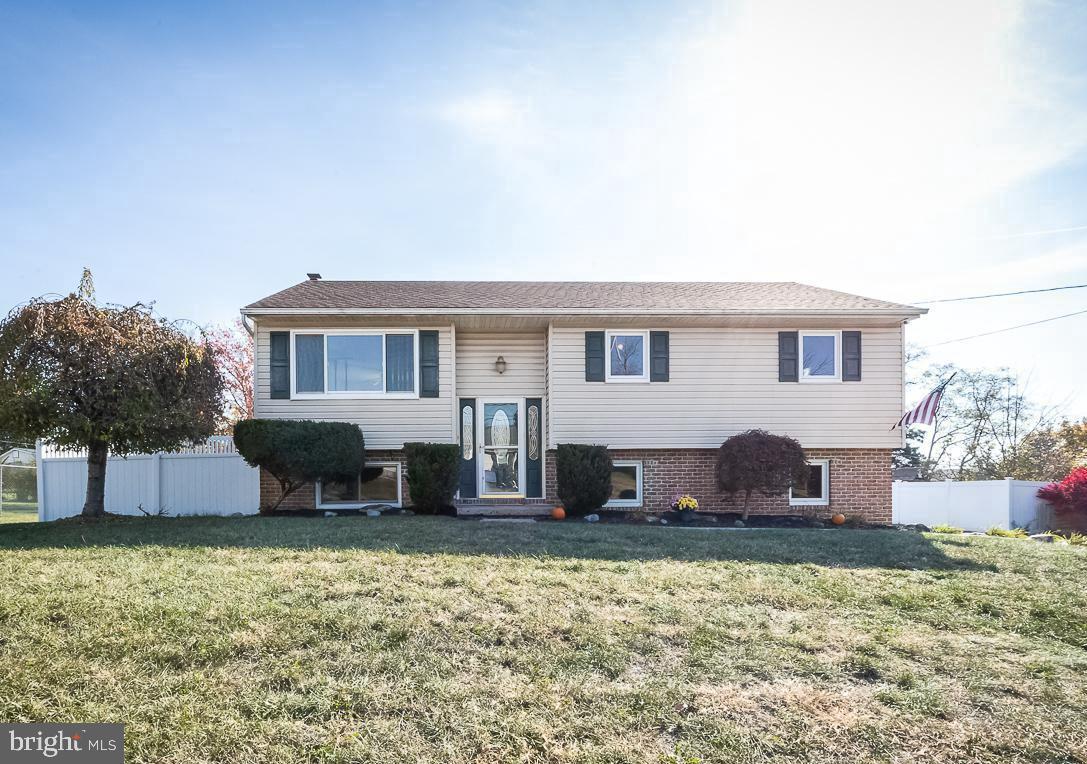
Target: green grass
[[431, 639], [946, 529], [1007, 533], [19, 512]]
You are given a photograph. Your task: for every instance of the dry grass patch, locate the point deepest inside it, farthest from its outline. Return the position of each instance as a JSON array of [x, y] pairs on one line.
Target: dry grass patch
[[428, 639]]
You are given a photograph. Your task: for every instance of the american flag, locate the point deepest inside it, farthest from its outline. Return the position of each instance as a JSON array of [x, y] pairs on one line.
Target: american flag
[[925, 411]]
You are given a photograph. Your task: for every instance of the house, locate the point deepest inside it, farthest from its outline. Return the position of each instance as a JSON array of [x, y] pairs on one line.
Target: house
[[661, 373]]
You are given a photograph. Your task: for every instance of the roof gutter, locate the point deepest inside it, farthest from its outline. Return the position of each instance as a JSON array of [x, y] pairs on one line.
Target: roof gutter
[[670, 312]]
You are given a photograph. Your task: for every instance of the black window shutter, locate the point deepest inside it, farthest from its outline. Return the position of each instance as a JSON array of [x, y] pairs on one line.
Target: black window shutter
[[279, 357], [467, 424], [594, 356], [658, 356], [788, 356], [851, 356], [534, 454], [428, 364]]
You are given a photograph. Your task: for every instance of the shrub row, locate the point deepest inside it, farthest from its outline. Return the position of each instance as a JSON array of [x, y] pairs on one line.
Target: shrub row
[[296, 452]]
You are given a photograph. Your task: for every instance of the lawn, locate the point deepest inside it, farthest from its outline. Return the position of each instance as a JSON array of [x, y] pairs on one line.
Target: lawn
[[19, 512], [432, 639]]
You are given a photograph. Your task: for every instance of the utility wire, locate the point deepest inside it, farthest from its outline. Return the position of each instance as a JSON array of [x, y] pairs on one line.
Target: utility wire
[[1040, 233], [1008, 328], [1000, 294]]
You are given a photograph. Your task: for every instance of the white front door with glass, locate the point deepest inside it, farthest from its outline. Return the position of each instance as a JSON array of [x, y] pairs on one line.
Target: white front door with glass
[[501, 448]]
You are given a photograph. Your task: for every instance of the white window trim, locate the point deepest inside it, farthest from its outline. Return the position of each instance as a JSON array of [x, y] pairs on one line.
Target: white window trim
[[628, 502], [801, 377], [355, 394], [825, 500], [362, 505], [644, 334]]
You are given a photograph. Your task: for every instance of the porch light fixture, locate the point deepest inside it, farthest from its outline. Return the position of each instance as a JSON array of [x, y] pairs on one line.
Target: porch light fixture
[[500, 365]]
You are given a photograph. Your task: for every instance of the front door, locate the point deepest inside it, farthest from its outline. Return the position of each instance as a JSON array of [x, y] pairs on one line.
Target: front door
[[501, 448]]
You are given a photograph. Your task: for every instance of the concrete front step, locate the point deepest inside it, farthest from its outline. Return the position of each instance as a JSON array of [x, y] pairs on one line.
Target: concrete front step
[[504, 510]]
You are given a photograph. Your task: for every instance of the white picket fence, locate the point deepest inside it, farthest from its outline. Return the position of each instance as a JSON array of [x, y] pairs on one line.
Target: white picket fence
[[209, 478], [975, 505]]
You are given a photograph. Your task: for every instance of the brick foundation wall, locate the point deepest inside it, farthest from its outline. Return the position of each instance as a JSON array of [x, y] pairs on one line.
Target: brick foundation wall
[[305, 498], [860, 482]]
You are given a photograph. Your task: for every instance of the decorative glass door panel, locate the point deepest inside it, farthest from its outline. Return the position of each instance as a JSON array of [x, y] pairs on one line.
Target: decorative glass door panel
[[501, 448]]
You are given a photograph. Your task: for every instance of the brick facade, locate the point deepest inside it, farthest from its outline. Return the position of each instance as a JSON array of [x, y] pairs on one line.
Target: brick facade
[[860, 482], [305, 498]]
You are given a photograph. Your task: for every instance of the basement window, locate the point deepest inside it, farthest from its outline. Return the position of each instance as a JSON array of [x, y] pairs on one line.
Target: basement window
[[626, 484], [816, 490], [379, 485]]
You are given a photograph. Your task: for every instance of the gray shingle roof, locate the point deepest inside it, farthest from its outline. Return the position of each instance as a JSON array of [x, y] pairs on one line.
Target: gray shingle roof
[[520, 296]]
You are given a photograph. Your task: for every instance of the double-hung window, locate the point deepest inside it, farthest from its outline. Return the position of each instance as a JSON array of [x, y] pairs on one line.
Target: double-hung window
[[627, 359], [820, 356], [355, 364]]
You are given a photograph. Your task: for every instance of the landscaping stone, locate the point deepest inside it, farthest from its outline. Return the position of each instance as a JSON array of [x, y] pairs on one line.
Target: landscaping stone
[[330, 514], [593, 518], [1045, 538], [373, 513], [663, 521], [739, 523]]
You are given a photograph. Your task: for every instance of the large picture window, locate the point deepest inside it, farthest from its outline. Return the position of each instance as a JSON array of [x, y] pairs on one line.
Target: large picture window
[[815, 491], [626, 484], [627, 360], [354, 364], [820, 356], [380, 484]]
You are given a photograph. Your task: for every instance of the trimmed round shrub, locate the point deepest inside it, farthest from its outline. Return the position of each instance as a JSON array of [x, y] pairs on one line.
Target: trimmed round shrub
[[584, 476], [757, 460], [433, 473], [296, 452]]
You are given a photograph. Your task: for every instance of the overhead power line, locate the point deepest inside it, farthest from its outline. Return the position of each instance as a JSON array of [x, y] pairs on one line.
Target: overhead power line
[[1000, 294], [1008, 328], [1045, 232]]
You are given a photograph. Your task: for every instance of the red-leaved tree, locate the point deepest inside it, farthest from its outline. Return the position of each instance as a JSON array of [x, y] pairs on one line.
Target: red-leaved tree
[[1068, 495], [232, 347]]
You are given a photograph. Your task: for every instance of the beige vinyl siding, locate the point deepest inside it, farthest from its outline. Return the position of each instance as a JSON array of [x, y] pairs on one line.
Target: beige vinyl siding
[[525, 354], [724, 381], [386, 422]]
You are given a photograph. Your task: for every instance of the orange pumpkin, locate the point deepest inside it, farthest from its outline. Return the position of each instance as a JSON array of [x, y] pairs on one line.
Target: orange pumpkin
[[558, 513], [838, 519]]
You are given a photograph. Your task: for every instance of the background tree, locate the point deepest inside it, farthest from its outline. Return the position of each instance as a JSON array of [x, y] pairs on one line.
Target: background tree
[[759, 461], [987, 427], [107, 379], [233, 349], [296, 452]]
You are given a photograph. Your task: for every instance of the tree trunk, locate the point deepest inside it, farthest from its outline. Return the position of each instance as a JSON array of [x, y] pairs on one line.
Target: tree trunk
[[95, 505], [747, 498]]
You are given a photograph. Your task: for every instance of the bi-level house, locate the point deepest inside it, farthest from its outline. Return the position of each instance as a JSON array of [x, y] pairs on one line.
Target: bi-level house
[[661, 373]]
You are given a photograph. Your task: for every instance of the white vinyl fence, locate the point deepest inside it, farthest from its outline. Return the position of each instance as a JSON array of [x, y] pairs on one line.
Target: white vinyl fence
[[976, 505], [210, 478]]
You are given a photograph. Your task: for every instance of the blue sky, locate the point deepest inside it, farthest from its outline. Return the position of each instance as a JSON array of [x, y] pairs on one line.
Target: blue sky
[[204, 155]]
